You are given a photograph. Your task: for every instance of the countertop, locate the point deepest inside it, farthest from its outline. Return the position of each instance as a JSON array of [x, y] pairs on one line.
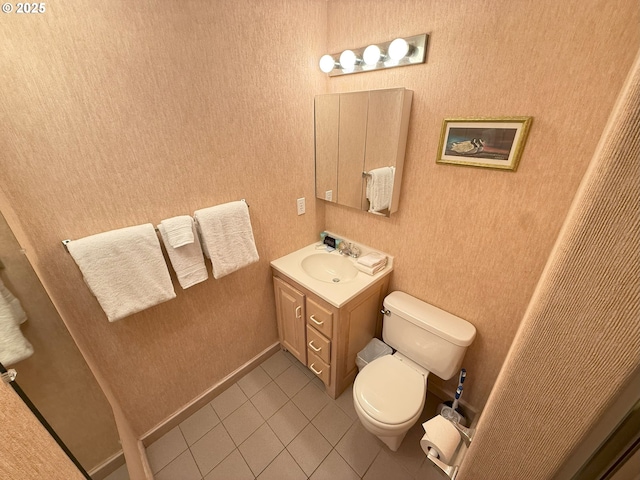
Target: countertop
[[337, 294]]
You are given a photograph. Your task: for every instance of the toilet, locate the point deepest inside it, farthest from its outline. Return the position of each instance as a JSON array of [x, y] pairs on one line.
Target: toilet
[[389, 393]]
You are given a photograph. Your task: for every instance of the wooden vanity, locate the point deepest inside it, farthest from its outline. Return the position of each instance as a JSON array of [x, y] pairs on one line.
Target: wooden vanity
[[326, 334]]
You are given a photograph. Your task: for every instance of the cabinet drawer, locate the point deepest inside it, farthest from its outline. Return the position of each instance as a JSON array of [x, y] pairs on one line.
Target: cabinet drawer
[[319, 318], [318, 344], [318, 367]]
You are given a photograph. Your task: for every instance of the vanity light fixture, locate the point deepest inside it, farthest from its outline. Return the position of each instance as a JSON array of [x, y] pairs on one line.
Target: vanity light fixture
[[399, 52]]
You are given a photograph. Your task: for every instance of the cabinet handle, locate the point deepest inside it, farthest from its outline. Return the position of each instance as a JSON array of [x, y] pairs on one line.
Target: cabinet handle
[[299, 311], [314, 370], [313, 319], [312, 347]]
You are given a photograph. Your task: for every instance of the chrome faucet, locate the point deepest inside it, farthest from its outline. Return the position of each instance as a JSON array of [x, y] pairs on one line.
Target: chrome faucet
[[350, 249]]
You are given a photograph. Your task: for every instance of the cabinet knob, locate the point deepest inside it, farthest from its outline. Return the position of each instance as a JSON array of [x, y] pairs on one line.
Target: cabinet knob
[[313, 347], [313, 319], [299, 311], [314, 370]]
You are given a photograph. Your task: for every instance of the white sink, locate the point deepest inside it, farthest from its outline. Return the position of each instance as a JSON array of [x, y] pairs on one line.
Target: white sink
[[330, 268]]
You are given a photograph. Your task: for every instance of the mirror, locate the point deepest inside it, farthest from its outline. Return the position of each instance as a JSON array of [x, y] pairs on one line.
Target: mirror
[[360, 144], [51, 370]]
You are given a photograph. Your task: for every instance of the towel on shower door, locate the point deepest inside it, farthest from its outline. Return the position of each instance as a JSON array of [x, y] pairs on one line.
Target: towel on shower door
[[19, 315], [227, 237], [13, 346], [187, 260], [124, 269], [380, 188]]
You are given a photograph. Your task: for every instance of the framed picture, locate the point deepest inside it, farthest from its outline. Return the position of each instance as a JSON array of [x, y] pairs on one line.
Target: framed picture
[[484, 142]]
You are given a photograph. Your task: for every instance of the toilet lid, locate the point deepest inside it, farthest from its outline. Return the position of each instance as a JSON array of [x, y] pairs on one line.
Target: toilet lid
[[390, 391]]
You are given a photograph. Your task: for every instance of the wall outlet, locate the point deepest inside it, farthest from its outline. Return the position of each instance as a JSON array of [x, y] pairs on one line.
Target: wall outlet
[[300, 205], [328, 195]]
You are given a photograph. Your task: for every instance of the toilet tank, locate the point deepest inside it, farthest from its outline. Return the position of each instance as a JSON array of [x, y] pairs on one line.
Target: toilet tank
[[431, 337]]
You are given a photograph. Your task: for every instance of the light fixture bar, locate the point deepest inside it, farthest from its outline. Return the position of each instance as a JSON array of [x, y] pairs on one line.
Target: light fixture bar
[[416, 54]]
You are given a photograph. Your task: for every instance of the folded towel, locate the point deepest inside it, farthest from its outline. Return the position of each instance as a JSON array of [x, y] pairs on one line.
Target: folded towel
[[13, 346], [370, 270], [19, 315], [380, 188], [124, 269], [227, 237], [187, 261], [179, 230], [372, 259]]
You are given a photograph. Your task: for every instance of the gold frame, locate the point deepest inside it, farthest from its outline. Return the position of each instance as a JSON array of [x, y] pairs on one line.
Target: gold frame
[[522, 125]]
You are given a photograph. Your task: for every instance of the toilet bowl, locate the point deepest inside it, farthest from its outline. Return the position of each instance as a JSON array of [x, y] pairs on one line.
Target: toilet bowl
[[388, 396], [389, 393]]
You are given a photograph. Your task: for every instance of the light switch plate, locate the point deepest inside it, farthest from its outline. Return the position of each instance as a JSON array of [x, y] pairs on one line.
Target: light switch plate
[[301, 206]]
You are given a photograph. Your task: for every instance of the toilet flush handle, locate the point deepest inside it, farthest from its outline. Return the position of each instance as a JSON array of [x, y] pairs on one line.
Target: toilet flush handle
[[384, 311]]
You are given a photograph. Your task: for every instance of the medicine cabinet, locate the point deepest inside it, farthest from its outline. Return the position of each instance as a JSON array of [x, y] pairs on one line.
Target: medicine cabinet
[[360, 145]]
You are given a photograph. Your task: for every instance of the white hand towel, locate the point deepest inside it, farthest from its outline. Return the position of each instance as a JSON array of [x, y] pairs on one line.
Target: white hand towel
[[13, 346], [124, 269], [19, 314], [179, 230], [380, 188], [370, 270], [227, 237], [372, 259], [187, 261]]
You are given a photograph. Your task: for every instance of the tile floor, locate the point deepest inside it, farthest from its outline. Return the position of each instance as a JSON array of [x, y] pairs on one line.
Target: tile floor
[[278, 423]]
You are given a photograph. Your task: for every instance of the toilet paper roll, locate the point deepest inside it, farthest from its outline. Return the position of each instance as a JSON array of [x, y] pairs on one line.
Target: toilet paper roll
[[441, 436]]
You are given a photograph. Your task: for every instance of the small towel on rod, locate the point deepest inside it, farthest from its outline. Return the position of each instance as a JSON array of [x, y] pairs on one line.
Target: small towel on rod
[[380, 188], [124, 269], [187, 260], [14, 347], [227, 237], [179, 230]]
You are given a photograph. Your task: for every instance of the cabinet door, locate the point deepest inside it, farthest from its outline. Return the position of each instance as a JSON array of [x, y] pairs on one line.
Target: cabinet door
[[291, 323], [351, 142]]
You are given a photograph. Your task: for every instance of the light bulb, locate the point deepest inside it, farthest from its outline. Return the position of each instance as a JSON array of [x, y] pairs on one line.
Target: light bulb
[[398, 49], [371, 55], [327, 63], [348, 60]]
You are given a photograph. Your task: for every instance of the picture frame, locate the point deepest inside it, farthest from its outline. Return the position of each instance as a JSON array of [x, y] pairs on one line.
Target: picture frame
[[484, 142]]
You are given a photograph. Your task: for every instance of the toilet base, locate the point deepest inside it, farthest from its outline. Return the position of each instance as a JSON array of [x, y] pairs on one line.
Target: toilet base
[[392, 442]]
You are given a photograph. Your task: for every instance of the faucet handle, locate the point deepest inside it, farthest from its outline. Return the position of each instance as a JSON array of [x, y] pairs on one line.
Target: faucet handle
[[355, 250]]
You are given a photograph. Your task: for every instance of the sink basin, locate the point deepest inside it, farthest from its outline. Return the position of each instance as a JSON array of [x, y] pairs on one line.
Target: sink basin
[[330, 268]]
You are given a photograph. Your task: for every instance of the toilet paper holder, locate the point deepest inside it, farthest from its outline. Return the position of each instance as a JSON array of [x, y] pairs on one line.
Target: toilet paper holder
[[452, 470]]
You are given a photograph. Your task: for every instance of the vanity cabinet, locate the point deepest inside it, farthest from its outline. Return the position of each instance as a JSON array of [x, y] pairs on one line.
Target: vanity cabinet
[[324, 337]]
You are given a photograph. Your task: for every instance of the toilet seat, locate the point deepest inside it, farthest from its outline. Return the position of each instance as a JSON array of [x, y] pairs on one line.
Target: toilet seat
[[390, 392]]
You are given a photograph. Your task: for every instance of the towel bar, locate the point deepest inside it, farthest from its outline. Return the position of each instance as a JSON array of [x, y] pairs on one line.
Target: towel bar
[[67, 241]]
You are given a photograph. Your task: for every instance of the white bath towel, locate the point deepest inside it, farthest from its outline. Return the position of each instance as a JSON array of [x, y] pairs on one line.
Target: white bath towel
[[187, 260], [179, 230], [124, 269], [370, 270], [227, 237], [372, 259], [13, 346], [19, 315], [380, 188]]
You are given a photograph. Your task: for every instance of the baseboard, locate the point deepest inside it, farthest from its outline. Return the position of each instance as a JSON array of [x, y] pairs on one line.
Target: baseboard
[[196, 404], [106, 468]]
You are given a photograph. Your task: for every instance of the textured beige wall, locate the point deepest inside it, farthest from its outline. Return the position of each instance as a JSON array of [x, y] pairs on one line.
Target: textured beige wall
[[28, 451], [474, 241], [119, 113], [580, 334], [56, 377]]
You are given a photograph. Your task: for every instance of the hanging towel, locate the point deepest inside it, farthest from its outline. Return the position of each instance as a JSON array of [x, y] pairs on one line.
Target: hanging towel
[[124, 269], [179, 230], [380, 188], [187, 260], [19, 315], [227, 237], [13, 346]]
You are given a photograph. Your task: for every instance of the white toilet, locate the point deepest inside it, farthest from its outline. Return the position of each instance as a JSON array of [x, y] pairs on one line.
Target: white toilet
[[389, 393]]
